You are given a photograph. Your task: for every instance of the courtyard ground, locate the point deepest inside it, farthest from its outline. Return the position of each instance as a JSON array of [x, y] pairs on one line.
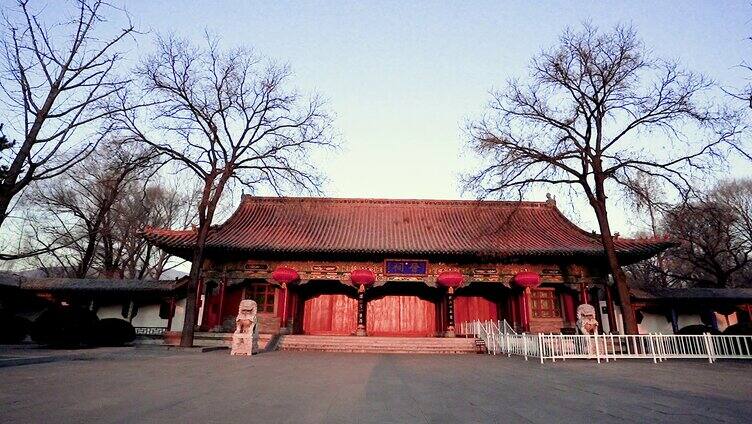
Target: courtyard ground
[[156, 385]]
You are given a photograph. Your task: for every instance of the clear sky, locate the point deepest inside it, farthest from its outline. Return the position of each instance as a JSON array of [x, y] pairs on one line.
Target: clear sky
[[402, 77]]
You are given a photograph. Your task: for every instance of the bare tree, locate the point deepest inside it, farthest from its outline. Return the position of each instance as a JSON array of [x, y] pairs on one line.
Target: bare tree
[[596, 112], [78, 205], [647, 196], [225, 116], [54, 78], [715, 235], [5, 144], [124, 252]]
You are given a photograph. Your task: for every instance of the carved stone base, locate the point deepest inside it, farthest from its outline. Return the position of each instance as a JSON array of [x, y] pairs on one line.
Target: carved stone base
[[242, 344], [450, 333], [360, 332]]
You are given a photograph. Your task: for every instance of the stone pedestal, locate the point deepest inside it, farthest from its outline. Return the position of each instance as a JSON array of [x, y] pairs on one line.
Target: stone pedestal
[[245, 326]]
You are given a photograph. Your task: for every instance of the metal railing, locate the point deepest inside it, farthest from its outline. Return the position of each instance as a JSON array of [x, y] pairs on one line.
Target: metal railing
[[608, 347], [472, 327]]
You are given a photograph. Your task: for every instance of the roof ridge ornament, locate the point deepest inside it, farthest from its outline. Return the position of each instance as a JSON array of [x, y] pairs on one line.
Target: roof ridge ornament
[[550, 200]]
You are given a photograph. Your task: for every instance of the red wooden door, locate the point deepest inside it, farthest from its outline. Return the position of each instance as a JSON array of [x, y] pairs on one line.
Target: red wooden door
[[233, 296], [469, 308], [212, 300], [401, 316], [330, 314]]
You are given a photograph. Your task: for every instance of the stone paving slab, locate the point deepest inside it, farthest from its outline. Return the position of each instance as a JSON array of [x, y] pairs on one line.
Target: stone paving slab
[[156, 385]]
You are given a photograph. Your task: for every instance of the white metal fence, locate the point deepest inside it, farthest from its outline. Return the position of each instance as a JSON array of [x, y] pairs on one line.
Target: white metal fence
[[470, 327], [608, 347]]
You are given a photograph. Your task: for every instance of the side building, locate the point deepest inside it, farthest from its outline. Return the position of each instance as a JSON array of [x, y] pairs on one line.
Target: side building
[[325, 266]]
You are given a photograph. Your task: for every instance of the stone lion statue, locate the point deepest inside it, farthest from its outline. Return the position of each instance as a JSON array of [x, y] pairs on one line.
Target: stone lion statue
[[245, 327], [586, 322]]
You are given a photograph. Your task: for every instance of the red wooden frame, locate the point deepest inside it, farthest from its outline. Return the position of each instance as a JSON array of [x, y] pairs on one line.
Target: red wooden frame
[[256, 291], [545, 303]]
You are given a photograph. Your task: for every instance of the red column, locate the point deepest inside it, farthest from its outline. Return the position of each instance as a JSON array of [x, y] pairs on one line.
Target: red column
[[569, 307], [283, 304], [361, 330], [611, 313], [584, 294], [222, 287], [450, 313], [510, 311], [525, 309]]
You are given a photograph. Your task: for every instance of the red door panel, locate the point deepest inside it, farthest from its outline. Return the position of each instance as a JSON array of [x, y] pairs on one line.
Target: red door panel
[[233, 296], [469, 308], [212, 301], [401, 316], [332, 314]]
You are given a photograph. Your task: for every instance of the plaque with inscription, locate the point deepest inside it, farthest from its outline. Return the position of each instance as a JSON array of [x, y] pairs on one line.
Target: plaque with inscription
[[405, 267]]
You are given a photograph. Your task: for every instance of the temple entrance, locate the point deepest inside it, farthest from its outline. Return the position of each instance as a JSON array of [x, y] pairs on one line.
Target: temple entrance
[[401, 309], [332, 310], [479, 301]]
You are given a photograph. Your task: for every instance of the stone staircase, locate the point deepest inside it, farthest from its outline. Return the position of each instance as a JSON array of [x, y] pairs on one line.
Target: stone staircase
[[433, 345]]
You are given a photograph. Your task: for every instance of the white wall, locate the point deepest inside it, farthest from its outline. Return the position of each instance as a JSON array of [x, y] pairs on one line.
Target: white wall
[[657, 323], [654, 323], [110, 311], [685, 320], [147, 315]]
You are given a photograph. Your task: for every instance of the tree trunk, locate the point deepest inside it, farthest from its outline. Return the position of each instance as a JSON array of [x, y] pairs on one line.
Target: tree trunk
[[207, 207], [620, 279], [4, 205], [85, 264], [189, 322]]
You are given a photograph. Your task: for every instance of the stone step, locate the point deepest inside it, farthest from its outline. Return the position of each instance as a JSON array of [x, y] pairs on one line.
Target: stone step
[[375, 343], [378, 344], [386, 339]]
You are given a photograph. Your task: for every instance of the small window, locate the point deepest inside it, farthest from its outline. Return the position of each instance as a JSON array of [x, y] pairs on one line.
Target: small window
[[545, 303], [263, 294]]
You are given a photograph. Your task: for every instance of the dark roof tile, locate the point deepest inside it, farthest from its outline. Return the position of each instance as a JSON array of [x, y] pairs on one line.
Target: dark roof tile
[[400, 227]]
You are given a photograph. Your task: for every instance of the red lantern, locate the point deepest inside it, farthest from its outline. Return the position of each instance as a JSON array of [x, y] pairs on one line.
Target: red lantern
[[362, 277], [451, 279], [527, 279], [285, 275]]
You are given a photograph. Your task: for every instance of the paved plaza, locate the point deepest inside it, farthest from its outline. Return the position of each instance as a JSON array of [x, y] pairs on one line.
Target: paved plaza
[[156, 385]]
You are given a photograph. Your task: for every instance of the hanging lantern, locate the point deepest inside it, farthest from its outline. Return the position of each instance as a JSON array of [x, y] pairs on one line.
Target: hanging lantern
[[451, 279], [527, 279], [285, 275], [363, 277]]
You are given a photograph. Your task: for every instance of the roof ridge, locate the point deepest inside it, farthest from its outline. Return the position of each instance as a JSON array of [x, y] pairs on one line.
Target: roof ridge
[[288, 199]]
